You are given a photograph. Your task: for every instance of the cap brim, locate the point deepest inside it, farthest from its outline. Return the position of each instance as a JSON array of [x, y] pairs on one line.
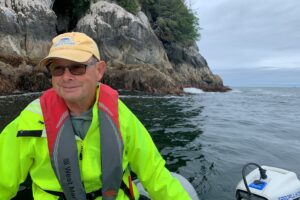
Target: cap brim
[[68, 54]]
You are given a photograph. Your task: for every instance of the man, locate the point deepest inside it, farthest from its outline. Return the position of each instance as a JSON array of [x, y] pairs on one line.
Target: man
[[78, 139]]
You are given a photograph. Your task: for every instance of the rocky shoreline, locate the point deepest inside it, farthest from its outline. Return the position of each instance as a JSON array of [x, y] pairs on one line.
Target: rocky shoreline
[[136, 58]]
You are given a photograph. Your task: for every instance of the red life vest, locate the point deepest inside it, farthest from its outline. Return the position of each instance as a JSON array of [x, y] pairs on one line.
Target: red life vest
[[63, 149]]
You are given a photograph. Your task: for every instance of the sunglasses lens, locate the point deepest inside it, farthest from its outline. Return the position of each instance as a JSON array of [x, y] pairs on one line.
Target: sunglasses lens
[[77, 69], [57, 70]]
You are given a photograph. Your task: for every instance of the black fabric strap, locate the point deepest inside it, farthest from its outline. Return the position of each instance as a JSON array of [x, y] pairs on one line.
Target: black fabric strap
[[30, 133], [59, 194], [89, 196], [126, 190], [92, 195]]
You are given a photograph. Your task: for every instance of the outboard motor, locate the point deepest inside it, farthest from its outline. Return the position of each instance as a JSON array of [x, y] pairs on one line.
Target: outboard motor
[[268, 183]]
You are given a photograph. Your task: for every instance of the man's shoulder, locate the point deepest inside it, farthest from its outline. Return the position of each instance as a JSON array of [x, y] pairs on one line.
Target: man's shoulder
[[34, 107], [31, 119], [122, 108], [125, 114]]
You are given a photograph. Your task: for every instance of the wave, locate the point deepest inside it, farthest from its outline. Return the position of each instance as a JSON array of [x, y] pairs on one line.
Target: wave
[[151, 97], [19, 95], [193, 90]]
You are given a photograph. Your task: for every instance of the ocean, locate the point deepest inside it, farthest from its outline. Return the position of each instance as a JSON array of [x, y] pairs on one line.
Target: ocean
[[209, 137]]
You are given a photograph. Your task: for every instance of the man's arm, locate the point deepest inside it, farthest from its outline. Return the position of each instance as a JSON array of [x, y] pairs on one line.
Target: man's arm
[[146, 161], [13, 165]]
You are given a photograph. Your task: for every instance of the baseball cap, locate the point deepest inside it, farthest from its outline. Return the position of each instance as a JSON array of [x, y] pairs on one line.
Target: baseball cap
[[74, 46]]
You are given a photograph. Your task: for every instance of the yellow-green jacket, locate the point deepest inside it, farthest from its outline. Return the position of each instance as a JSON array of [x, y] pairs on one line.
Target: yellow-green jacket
[[22, 155]]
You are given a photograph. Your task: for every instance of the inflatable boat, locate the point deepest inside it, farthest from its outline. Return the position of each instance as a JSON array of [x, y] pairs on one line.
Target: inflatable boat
[[184, 182]]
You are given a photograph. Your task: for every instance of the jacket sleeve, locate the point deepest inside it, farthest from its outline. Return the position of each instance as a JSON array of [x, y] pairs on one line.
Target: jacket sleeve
[[13, 165], [146, 161]]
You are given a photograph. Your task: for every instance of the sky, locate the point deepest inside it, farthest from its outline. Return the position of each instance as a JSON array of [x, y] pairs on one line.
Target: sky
[[251, 42]]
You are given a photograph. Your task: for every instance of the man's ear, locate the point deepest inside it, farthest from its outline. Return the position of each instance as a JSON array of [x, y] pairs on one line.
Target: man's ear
[[101, 67]]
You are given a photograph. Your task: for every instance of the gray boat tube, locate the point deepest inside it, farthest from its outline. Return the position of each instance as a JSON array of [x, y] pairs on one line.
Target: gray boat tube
[[184, 182]]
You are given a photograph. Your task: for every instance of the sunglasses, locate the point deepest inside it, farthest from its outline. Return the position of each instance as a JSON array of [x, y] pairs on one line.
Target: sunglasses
[[75, 69]]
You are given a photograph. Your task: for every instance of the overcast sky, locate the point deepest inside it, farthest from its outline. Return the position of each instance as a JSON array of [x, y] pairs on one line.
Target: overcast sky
[[251, 42]]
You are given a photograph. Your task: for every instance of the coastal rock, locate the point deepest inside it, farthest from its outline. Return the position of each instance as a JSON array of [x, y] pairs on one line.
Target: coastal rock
[[26, 27], [142, 77], [191, 69], [128, 41], [136, 58], [6, 86]]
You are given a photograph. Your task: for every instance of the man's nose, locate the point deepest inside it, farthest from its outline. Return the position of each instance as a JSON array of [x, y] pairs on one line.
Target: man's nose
[[67, 74]]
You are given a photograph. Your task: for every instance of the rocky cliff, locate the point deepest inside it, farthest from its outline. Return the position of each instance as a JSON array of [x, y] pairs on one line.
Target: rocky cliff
[[136, 58]]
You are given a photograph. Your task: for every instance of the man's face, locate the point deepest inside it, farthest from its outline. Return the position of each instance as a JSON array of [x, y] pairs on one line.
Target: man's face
[[79, 89]]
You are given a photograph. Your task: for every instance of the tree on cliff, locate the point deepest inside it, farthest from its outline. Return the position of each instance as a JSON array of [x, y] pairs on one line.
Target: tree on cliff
[[171, 20], [129, 5]]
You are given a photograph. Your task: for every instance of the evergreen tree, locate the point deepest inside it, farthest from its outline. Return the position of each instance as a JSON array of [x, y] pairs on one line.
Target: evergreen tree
[[171, 20], [129, 5]]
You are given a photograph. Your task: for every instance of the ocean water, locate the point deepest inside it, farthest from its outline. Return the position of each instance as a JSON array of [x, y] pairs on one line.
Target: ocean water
[[208, 137]]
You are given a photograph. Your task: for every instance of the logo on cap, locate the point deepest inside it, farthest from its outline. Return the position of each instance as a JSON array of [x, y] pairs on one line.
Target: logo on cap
[[65, 41]]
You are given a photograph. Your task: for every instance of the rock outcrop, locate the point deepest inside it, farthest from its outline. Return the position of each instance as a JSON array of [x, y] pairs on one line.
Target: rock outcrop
[[191, 69], [26, 28], [136, 58]]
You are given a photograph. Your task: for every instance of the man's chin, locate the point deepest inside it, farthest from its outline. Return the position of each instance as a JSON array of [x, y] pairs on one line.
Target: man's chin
[[70, 96]]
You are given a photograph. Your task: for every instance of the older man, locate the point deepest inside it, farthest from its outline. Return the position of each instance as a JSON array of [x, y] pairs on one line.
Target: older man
[[78, 139]]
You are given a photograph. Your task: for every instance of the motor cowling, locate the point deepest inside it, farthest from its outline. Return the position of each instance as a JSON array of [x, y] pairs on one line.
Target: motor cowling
[[279, 184]]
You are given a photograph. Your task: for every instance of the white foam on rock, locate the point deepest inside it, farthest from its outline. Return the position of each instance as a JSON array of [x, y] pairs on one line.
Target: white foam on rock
[[193, 90]]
